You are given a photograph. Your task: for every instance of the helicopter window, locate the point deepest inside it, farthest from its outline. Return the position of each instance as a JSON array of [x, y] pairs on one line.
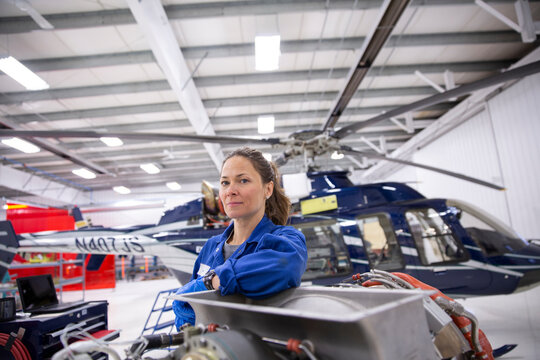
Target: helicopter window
[[380, 243], [327, 253], [433, 237], [493, 237]]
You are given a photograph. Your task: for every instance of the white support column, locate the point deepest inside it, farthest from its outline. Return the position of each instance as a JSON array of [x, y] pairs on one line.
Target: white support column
[[409, 122], [382, 144], [449, 82], [153, 21]]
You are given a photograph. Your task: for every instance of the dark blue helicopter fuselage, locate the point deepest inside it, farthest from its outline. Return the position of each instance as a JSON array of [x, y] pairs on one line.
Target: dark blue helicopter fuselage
[[392, 227]]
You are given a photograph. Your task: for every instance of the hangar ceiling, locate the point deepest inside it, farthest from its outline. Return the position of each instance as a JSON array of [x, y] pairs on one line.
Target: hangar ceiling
[[108, 66]]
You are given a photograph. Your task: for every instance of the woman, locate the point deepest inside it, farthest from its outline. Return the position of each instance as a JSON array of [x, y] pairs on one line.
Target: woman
[[257, 255]]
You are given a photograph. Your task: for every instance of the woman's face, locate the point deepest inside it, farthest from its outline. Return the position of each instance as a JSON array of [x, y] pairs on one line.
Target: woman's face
[[241, 190]]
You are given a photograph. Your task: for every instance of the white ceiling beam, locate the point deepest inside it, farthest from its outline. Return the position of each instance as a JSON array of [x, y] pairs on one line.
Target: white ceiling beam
[[526, 26], [286, 47], [450, 120], [152, 19], [25, 6]]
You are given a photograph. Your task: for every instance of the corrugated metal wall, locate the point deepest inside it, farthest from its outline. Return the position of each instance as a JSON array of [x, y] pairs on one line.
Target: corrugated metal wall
[[499, 145], [516, 121]]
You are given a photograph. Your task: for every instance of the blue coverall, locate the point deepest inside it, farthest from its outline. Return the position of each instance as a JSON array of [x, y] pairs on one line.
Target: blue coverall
[[272, 259]]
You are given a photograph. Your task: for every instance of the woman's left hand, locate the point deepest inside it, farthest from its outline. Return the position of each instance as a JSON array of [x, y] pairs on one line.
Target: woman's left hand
[[183, 311]]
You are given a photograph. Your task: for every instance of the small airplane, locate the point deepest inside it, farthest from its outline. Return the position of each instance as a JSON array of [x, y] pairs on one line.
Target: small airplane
[[448, 244]]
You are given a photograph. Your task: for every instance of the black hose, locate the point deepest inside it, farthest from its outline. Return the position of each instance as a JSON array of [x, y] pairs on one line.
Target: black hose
[[156, 341]]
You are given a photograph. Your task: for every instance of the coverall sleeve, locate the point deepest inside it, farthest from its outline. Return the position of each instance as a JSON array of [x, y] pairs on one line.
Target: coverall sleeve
[[277, 264], [183, 311]]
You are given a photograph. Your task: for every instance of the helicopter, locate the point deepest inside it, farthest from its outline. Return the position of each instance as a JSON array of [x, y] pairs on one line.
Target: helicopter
[[349, 229]]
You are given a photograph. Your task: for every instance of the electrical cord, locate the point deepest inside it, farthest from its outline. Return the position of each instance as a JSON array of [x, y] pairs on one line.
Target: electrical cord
[[17, 349]]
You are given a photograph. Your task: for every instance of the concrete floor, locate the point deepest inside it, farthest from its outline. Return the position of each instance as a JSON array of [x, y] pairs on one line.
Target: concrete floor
[[506, 319]]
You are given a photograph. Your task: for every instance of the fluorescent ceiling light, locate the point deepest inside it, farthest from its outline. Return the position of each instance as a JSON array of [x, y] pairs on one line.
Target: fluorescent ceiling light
[[173, 185], [23, 75], [84, 173], [265, 124], [336, 155], [267, 52], [150, 168], [267, 156], [112, 141], [21, 145], [121, 190]]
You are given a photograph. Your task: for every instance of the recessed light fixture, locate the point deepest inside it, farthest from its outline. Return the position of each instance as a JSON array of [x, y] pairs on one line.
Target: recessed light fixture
[[265, 124], [21, 145], [23, 75], [336, 155], [84, 173], [267, 52], [173, 185], [121, 190], [150, 168], [111, 141]]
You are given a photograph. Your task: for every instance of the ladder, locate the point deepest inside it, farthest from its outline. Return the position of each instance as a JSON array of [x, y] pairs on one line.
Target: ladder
[[161, 316]]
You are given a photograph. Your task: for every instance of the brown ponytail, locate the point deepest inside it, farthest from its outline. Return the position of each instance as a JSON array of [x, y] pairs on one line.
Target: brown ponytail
[[278, 204]]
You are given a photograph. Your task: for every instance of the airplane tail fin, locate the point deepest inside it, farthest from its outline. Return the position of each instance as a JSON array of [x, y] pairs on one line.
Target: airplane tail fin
[[8, 246]]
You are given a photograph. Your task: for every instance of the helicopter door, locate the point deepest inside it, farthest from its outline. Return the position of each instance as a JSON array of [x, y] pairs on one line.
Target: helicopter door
[[327, 253], [438, 250], [382, 249]]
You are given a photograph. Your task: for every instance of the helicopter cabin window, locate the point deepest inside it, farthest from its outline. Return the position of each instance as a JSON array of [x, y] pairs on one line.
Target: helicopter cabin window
[[433, 238], [380, 243], [327, 252], [491, 235]]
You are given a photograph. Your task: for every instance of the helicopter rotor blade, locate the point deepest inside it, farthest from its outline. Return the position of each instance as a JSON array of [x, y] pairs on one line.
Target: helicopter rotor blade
[[348, 149], [373, 45], [136, 135], [465, 89]]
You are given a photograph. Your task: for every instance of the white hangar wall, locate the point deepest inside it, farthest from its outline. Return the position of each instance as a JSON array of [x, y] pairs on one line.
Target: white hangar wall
[[499, 145]]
